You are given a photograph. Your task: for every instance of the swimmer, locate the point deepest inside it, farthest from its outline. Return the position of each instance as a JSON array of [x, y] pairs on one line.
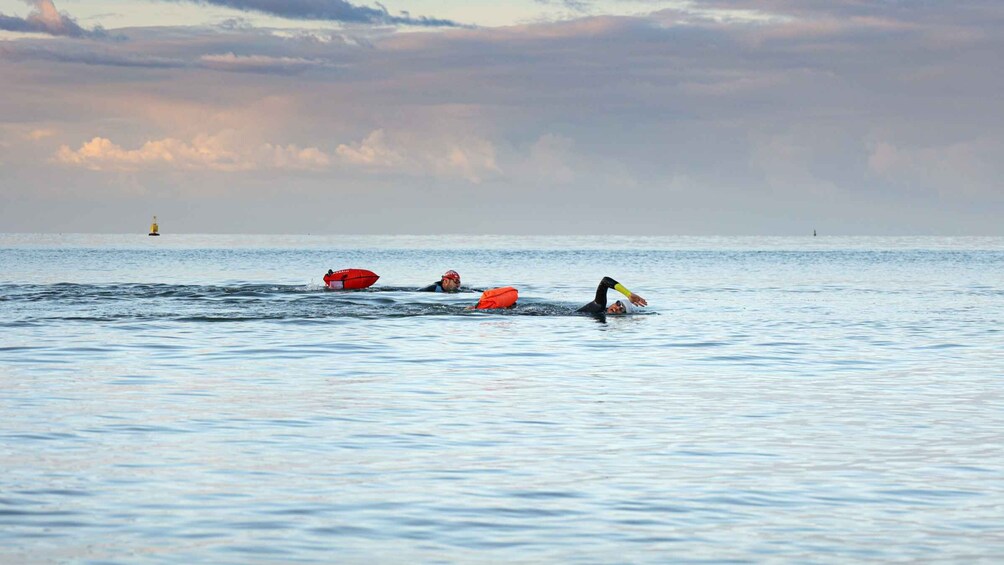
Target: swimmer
[[450, 282], [599, 304]]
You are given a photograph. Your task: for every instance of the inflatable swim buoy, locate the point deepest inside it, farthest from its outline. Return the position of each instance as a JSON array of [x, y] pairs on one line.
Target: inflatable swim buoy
[[503, 297], [350, 279]]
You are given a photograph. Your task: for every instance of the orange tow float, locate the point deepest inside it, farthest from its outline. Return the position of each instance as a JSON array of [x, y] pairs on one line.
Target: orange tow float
[[502, 297]]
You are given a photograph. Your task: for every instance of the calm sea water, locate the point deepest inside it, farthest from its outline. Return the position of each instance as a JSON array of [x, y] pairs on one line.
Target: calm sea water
[[201, 399]]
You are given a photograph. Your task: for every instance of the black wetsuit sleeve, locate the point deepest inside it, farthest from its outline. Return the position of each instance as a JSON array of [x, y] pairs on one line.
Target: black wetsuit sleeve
[[430, 288], [599, 304]]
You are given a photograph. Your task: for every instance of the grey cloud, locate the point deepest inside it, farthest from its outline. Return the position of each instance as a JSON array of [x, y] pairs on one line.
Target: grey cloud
[[974, 12], [574, 5], [236, 24], [75, 55], [249, 52], [327, 10], [226, 62], [725, 103]]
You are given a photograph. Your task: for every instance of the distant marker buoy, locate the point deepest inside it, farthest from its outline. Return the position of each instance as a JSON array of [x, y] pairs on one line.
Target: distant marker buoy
[[813, 233], [154, 228]]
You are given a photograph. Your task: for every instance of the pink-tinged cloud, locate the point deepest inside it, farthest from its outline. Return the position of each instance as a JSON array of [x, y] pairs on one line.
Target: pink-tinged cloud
[[962, 168], [45, 18], [550, 158], [211, 153], [466, 157], [38, 134], [371, 152]]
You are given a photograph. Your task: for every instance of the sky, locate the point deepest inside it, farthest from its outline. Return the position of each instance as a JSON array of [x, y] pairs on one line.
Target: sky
[[700, 117]]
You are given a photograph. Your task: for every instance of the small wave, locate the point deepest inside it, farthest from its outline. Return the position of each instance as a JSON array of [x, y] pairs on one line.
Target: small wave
[[697, 344]]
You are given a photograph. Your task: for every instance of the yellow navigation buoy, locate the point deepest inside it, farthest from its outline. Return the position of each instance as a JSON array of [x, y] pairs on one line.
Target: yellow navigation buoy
[[154, 227]]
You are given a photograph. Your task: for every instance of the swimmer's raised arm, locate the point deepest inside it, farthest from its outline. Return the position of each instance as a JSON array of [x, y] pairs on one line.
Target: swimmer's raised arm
[[599, 304]]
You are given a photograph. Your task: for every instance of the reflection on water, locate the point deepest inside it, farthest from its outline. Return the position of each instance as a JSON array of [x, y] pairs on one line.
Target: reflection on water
[[782, 400]]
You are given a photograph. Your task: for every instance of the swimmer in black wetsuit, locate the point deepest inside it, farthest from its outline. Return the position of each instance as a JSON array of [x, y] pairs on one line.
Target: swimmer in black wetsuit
[[599, 304], [450, 282]]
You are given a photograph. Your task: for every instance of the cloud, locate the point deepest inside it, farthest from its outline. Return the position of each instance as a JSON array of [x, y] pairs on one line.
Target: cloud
[[468, 157], [46, 19], [550, 157], [971, 167], [222, 152], [963, 20], [553, 164], [371, 152], [226, 62], [39, 134], [259, 63], [788, 161], [326, 10], [573, 5], [17, 51]]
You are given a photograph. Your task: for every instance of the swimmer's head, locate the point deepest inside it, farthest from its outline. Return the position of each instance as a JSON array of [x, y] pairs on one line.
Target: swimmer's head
[[617, 308], [450, 280]]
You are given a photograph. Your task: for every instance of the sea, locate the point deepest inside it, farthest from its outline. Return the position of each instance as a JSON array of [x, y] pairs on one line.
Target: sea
[[203, 399]]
